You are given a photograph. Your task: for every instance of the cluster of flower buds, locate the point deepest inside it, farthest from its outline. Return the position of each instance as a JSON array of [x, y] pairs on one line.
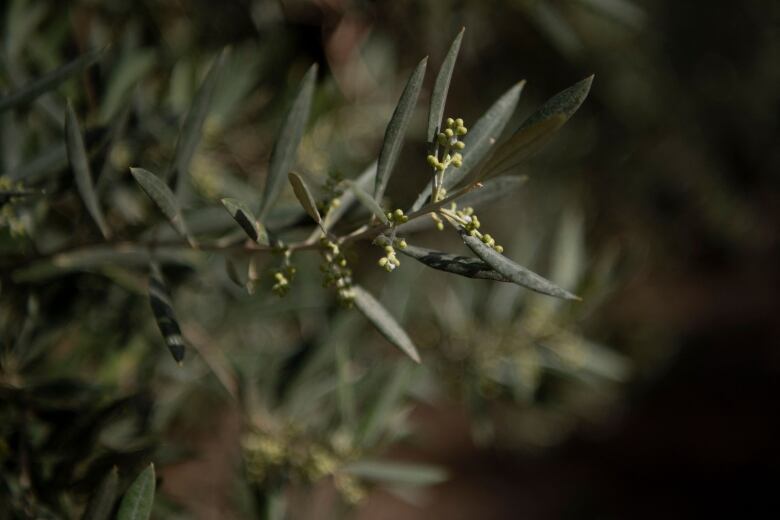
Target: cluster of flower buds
[[334, 187], [397, 217], [390, 261], [470, 223], [449, 140], [336, 272], [284, 274]]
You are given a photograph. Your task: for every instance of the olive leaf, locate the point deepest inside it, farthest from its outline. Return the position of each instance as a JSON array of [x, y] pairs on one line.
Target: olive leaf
[[384, 322], [139, 498], [441, 87], [368, 201], [286, 147], [467, 266], [79, 163], [481, 137], [102, 502], [49, 81], [538, 129], [243, 215], [192, 129], [392, 472], [379, 410], [396, 129], [512, 271], [162, 307], [304, 196], [347, 198], [164, 198]]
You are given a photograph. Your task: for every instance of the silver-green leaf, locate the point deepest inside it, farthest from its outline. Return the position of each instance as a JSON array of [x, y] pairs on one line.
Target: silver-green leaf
[[244, 217], [390, 472], [164, 198], [441, 87], [512, 271], [139, 498], [49, 81], [102, 502], [79, 163], [396, 129], [304, 196], [164, 315], [384, 322], [467, 266], [286, 147], [368, 201]]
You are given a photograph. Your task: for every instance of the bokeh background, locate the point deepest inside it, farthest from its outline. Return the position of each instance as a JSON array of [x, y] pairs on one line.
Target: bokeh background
[[660, 200]]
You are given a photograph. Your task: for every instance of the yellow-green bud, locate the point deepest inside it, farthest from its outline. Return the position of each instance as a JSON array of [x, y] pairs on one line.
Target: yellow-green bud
[[459, 145], [383, 261], [459, 122], [451, 121], [499, 249], [448, 132], [463, 130]]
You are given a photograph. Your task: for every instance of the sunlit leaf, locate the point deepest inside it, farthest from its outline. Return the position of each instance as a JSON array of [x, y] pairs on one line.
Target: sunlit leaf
[[139, 498], [396, 129], [441, 87], [49, 81], [304, 196], [102, 502], [369, 202], [512, 271], [164, 198], [384, 322], [79, 163], [243, 215], [162, 307], [392, 472], [286, 147]]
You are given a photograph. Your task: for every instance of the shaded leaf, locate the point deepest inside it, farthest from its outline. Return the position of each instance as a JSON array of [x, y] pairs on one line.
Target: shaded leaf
[[131, 69], [79, 163], [512, 271], [243, 215], [162, 307], [384, 322], [139, 498], [49, 81], [102, 502], [286, 147], [538, 129], [304, 196], [384, 405], [369, 202], [413, 474], [467, 266], [164, 198], [481, 137], [396, 129], [441, 87], [192, 129]]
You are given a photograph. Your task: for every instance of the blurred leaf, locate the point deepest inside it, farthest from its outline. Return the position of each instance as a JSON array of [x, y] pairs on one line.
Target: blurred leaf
[[286, 147], [162, 307], [102, 503], [538, 129], [139, 498], [369, 202], [396, 129], [304, 196], [162, 195], [192, 129], [512, 271], [380, 410], [347, 198], [245, 218], [479, 140], [397, 472], [131, 69], [384, 322], [441, 88], [49, 81], [467, 266], [79, 163]]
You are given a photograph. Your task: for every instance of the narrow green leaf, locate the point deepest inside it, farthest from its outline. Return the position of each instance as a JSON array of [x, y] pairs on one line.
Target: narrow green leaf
[[130, 69], [384, 405], [396, 129], [243, 215], [79, 163], [390, 472], [481, 137], [304, 196], [441, 87], [162, 307], [467, 266], [286, 147], [192, 129], [512, 271], [538, 129], [49, 81], [102, 502], [164, 198], [369, 202], [384, 322], [139, 498]]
